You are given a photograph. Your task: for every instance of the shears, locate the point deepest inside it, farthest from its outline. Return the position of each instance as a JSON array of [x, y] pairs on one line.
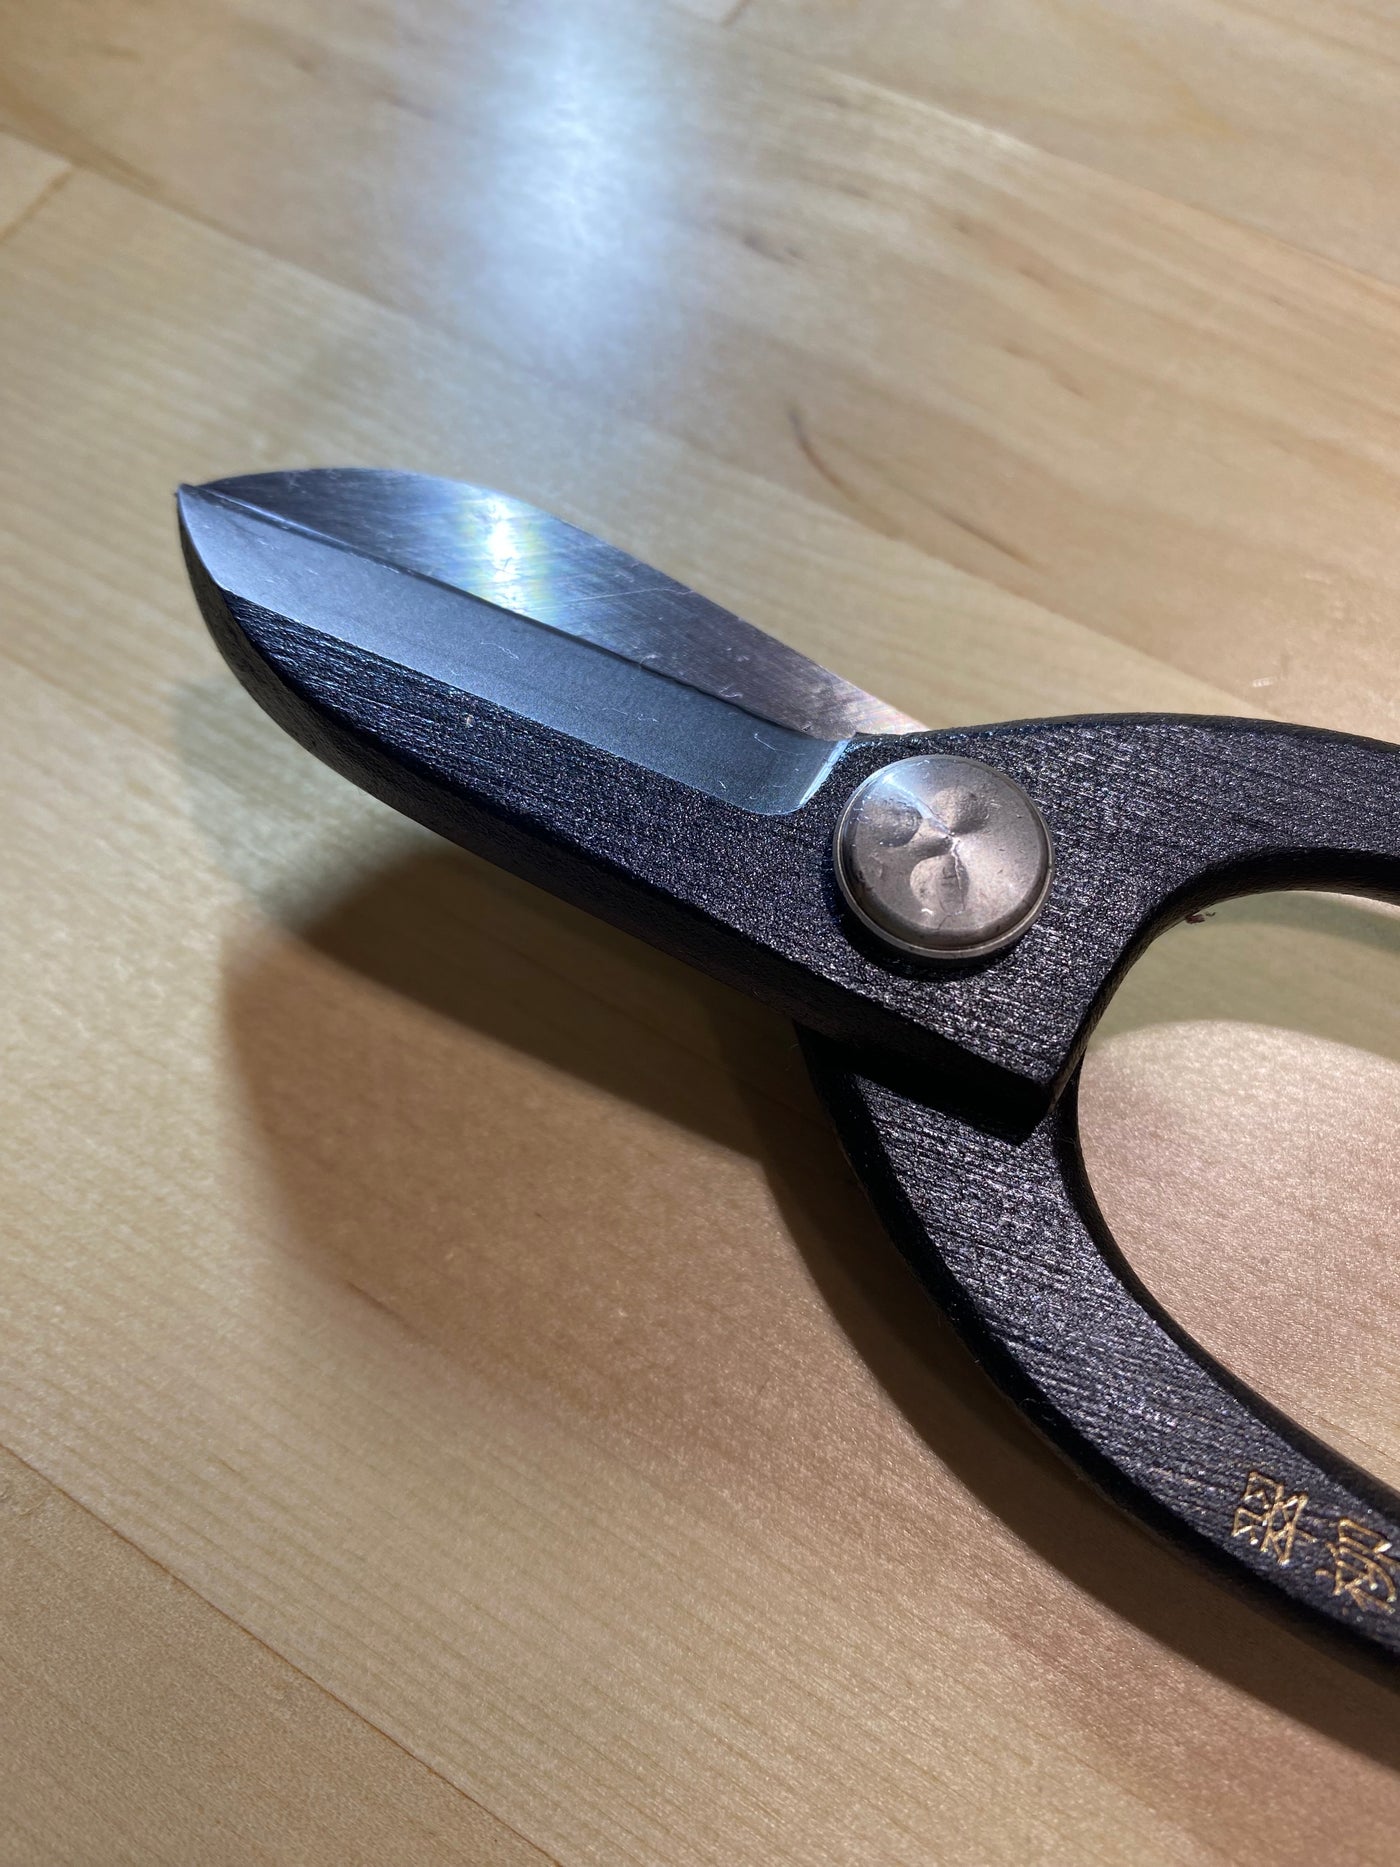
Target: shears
[[943, 914]]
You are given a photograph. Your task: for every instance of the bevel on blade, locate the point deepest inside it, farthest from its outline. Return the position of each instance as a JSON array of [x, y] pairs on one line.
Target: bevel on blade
[[493, 654], [509, 553]]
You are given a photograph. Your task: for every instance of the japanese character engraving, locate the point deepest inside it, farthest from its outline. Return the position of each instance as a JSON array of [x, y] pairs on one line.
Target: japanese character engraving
[[1269, 1517], [1365, 1566]]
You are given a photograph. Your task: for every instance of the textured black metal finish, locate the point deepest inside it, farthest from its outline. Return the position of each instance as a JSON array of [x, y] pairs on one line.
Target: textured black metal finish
[[1006, 1234], [944, 1083], [1150, 816]]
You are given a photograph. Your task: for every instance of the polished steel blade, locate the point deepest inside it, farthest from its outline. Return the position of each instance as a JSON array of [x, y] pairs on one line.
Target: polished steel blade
[[517, 608], [519, 558]]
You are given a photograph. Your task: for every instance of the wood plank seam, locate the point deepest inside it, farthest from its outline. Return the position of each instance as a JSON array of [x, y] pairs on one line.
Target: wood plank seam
[[413, 320], [934, 523], [180, 1582], [430, 327], [115, 170]]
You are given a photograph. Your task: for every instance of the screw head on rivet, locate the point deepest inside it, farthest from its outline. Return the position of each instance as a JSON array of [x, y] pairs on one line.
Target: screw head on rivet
[[943, 858]]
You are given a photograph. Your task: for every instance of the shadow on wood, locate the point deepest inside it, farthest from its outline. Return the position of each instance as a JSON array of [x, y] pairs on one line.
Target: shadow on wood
[[373, 1126]]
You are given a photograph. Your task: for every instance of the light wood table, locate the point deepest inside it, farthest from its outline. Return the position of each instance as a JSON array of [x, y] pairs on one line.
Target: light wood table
[[456, 1406]]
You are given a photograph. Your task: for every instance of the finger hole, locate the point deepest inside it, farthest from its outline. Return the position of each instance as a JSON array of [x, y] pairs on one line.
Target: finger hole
[[1240, 1120]]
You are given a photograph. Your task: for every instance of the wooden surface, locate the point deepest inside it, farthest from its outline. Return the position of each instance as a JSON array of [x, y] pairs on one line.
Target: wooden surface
[[455, 1404]]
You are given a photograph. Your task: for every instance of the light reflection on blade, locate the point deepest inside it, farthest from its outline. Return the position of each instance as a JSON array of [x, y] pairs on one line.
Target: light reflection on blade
[[511, 554], [488, 652]]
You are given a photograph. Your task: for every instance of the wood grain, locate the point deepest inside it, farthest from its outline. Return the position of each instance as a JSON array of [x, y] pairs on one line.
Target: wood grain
[[139, 1726], [26, 176], [1146, 419], [1277, 113], [467, 1308]]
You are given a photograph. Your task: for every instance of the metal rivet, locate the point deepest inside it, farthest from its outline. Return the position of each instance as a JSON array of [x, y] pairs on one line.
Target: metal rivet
[[943, 858]]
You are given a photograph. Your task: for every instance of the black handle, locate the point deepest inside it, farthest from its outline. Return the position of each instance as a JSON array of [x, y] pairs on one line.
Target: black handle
[[1150, 817], [1007, 1236]]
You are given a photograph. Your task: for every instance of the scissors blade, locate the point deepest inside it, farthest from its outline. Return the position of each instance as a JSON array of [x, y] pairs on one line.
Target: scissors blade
[[520, 609]]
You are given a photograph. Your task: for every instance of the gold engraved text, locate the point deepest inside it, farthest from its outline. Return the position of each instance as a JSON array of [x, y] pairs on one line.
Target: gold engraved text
[[1365, 1566], [1269, 1517]]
